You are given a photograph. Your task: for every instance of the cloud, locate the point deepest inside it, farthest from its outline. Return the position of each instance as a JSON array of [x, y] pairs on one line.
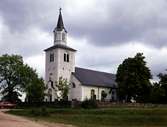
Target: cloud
[[120, 22], [104, 23], [37, 62], [26, 43], [109, 58], [106, 32]]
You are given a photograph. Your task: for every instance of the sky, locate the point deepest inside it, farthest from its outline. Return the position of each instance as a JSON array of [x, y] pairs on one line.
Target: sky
[[104, 32]]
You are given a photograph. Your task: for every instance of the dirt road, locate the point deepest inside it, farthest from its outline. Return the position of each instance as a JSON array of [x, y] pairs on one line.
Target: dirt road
[[7, 120]]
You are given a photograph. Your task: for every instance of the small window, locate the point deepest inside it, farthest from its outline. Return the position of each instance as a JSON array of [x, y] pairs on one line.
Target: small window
[[65, 57], [73, 85], [51, 57]]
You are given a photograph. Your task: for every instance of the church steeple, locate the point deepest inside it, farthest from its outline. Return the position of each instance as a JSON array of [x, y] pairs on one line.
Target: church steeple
[[60, 33], [60, 24]]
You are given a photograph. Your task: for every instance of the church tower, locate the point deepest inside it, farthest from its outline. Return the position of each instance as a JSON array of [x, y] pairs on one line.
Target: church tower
[[59, 60]]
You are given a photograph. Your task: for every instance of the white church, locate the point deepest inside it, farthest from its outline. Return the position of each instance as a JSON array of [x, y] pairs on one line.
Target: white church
[[83, 83]]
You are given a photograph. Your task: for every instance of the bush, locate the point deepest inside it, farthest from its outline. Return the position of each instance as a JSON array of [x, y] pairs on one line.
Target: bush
[[87, 104], [39, 112], [56, 104]]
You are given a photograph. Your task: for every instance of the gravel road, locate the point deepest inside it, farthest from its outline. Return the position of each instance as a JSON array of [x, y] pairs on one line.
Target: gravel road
[[7, 120]]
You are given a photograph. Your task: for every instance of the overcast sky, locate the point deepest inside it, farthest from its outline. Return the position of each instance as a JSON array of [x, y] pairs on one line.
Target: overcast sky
[[104, 32]]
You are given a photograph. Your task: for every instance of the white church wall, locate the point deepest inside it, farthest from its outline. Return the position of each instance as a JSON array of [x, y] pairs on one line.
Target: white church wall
[[58, 68], [75, 92], [86, 92], [66, 68], [51, 73], [51, 67]]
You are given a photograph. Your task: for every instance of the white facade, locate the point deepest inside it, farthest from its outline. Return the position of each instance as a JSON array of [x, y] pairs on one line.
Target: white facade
[[60, 62], [58, 68], [82, 92], [75, 89]]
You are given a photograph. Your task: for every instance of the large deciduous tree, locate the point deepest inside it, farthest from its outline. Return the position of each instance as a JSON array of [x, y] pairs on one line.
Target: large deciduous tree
[[133, 78], [16, 77]]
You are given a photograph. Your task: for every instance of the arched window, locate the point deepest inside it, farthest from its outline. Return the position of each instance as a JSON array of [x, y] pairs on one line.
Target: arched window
[[92, 94], [73, 85], [67, 57], [103, 95]]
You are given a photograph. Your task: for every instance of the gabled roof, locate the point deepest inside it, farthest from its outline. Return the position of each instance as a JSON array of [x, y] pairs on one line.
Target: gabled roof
[[60, 46], [95, 78]]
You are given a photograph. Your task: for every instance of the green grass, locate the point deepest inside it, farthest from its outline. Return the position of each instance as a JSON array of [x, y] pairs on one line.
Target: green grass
[[113, 117]]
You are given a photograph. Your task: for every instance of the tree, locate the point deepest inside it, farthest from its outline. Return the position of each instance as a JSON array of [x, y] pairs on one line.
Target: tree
[[15, 77], [157, 93], [35, 90], [163, 85], [133, 79], [63, 88]]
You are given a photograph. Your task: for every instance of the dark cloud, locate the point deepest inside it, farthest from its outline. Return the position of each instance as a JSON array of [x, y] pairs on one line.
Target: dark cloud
[[108, 23], [25, 27], [28, 24], [131, 21]]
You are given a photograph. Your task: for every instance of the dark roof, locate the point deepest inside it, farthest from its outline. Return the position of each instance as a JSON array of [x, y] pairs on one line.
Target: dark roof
[[95, 78], [60, 24], [60, 46]]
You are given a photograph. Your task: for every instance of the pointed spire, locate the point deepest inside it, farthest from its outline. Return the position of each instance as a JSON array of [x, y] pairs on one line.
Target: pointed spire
[[60, 24]]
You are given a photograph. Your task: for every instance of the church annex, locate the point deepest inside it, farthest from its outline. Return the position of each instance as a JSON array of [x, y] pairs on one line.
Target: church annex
[[83, 83]]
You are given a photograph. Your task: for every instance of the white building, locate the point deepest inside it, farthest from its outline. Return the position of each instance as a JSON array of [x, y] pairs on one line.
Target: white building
[[83, 83]]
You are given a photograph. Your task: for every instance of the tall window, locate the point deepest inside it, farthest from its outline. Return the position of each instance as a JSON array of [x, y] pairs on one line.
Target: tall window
[[66, 57], [51, 57], [92, 94]]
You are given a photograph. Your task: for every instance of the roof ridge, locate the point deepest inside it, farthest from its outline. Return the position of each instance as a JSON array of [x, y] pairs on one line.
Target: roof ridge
[[94, 70]]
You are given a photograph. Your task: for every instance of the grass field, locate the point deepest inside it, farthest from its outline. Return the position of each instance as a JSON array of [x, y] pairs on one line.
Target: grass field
[[113, 117]]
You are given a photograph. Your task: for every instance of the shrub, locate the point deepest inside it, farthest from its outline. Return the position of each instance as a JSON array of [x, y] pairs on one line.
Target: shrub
[[43, 111], [87, 104]]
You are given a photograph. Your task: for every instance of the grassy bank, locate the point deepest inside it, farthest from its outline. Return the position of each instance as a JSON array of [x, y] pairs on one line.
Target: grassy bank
[[113, 117]]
